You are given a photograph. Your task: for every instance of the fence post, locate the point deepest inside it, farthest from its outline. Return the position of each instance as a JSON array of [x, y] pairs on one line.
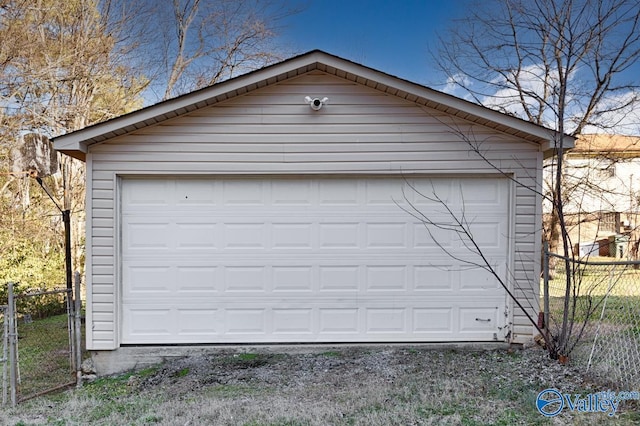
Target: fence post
[[78, 331], [13, 337], [545, 290], [5, 353]]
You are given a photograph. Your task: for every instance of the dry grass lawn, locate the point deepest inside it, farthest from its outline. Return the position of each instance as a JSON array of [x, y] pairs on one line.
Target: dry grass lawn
[[381, 385]]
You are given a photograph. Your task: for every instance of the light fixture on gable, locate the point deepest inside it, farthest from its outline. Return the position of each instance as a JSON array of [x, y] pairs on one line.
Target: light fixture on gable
[[316, 103]]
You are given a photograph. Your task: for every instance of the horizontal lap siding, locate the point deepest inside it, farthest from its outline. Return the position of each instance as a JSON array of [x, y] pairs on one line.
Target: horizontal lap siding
[[272, 131]]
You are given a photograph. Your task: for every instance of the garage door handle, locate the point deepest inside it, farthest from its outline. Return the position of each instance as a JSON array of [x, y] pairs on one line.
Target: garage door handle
[[483, 320]]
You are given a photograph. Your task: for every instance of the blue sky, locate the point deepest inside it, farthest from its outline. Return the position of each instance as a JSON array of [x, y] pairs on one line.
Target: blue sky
[[390, 36], [395, 37]]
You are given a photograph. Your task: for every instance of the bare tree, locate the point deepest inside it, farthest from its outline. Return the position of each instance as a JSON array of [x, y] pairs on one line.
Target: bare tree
[[62, 67], [557, 63], [203, 42], [67, 64], [552, 62]]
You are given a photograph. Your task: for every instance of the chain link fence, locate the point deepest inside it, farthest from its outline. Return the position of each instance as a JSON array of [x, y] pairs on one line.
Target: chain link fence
[[4, 355], [45, 342], [605, 306], [41, 342]]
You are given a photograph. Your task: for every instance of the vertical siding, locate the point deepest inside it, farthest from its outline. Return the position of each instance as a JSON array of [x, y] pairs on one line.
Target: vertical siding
[[272, 131]]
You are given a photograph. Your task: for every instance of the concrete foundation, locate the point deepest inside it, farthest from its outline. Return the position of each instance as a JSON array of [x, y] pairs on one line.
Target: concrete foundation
[[131, 358]]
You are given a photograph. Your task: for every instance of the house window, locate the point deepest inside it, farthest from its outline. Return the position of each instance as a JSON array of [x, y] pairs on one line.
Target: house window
[[607, 172], [610, 222]]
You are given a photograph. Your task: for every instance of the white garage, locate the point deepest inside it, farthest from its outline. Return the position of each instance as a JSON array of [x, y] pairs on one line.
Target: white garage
[[308, 260], [240, 214]]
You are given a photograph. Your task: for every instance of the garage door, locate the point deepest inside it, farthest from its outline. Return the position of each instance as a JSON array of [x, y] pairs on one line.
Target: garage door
[[249, 260]]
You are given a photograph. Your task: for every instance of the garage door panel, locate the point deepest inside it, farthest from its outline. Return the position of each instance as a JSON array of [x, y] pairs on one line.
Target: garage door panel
[[479, 279], [243, 279], [316, 233], [199, 279], [292, 235], [338, 278], [383, 192], [336, 323], [196, 235], [149, 279], [433, 237], [483, 192], [148, 193], [244, 235], [487, 233], [386, 278], [433, 320], [292, 278], [292, 193], [189, 194], [475, 319], [148, 324], [387, 235], [247, 321], [339, 235], [293, 321], [152, 235], [435, 277], [197, 322], [244, 260], [386, 320], [334, 193], [242, 192], [411, 277]]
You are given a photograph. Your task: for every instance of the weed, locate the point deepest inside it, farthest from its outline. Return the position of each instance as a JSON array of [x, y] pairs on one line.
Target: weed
[[247, 356], [248, 360], [151, 419], [181, 373], [231, 391], [147, 372]]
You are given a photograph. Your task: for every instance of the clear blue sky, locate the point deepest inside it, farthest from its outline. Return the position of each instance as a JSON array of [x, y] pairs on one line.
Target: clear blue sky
[[390, 36]]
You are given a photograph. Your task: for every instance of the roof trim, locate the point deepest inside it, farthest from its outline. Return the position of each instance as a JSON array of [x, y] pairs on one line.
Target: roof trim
[[75, 144]]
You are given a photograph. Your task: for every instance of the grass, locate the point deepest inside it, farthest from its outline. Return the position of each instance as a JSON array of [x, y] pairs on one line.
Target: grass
[[43, 353], [620, 285], [368, 386], [598, 280], [619, 310]]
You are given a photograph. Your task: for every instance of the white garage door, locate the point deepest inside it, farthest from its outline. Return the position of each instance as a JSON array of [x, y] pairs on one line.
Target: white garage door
[[308, 260]]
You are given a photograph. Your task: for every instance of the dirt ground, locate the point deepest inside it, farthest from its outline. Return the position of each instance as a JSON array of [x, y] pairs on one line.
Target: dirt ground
[[344, 386]]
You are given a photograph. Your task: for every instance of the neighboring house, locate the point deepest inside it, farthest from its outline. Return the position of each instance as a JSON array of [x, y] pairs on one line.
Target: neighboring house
[[242, 214], [602, 191]]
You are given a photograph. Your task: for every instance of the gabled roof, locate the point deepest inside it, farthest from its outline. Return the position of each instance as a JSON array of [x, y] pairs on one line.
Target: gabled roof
[[75, 144]]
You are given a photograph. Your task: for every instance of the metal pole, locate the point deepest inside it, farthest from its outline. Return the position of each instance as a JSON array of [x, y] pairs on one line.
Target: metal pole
[[546, 288], [78, 332], [13, 361], [66, 218], [5, 354]]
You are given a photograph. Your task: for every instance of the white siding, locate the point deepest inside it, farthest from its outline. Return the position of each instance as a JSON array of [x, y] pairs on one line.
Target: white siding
[[272, 131]]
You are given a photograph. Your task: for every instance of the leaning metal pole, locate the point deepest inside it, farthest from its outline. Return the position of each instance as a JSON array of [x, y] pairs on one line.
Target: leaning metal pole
[[13, 337], [78, 331], [545, 265], [5, 354]]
